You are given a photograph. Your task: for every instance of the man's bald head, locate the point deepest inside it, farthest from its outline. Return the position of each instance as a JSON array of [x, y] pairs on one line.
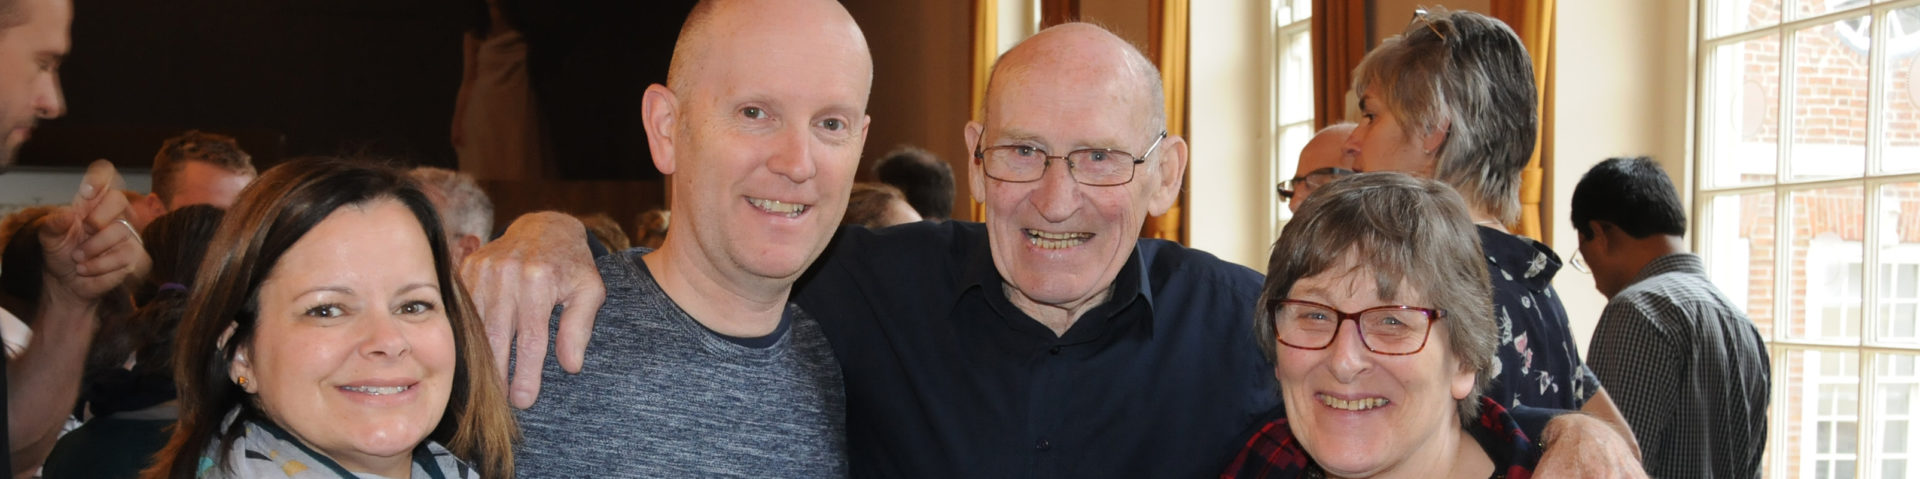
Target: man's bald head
[[714, 24], [1325, 152], [1088, 52], [1060, 239]]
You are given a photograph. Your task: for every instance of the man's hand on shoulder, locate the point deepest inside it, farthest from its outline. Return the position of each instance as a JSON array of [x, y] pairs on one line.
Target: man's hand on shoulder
[[1580, 445], [542, 261]]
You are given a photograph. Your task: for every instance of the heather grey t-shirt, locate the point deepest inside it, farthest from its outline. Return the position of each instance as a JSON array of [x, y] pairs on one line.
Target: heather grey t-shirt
[[663, 396]]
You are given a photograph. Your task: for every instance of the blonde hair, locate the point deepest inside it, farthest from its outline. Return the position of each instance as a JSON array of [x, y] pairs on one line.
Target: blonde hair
[[1477, 83]]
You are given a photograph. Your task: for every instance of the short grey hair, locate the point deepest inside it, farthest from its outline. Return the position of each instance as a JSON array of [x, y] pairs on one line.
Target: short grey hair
[[1478, 80], [1410, 232], [460, 200]]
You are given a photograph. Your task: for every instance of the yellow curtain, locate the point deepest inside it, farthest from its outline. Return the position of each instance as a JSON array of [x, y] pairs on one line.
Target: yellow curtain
[[1533, 21], [986, 48], [1168, 32], [1339, 41]]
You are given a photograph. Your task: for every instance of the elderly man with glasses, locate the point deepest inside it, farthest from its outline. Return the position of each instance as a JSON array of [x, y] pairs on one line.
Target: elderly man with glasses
[[1322, 160]]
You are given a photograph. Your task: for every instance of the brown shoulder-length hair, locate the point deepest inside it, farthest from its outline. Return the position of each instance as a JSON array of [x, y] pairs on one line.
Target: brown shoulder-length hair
[[1411, 233], [270, 215]]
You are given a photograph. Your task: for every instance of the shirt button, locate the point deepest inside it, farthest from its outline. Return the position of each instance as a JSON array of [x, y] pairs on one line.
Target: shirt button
[[1054, 350], [1042, 445]]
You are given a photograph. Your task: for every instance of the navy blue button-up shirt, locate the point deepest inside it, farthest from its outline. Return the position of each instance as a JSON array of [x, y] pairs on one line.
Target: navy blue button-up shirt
[[945, 377]]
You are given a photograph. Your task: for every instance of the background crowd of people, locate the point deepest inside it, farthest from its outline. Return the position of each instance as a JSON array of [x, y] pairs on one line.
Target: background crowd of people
[[355, 316]]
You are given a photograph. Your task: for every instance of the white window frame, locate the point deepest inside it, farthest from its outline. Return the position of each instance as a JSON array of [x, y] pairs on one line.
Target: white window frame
[[1910, 379], [1878, 227], [1285, 157]]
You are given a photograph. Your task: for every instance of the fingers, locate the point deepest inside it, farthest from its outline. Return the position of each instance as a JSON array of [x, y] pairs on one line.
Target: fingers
[[99, 243], [532, 312], [107, 210], [56, 233], [494, 307], [100, 177], [93, 201], [110, 268], [576, 322], [518, 279], [532, 353]]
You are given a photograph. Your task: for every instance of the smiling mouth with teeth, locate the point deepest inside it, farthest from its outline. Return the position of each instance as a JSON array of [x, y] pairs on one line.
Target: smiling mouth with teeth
[[790, 210], [377, 391], [1354, 405], [1046, 240]]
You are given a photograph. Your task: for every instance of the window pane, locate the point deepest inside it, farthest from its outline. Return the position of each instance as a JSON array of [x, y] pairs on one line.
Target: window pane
[[1740, 243], [1302, 9], [1899, 269], [1296, 78], [1816, 413], [1830, 101], [1900, 109], [1743, 124], [1733, 16], [1292, 139], [1895, 402], [1826, 231], [1812, 8]]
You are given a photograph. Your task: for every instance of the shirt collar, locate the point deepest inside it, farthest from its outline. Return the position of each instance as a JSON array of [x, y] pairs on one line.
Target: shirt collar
[[1530, 262], [1671, 263], [1133, 281]]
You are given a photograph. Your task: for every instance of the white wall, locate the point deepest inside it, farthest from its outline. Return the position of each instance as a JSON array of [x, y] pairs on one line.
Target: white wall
[[39, 186], [1231, 204], [1622, 90]]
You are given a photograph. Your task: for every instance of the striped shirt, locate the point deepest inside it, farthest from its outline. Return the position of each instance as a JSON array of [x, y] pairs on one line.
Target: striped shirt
[[1688, 370]]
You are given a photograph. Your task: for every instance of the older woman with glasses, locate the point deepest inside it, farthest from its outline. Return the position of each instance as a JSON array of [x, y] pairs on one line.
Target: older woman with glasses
[[1376, 313], [1452, 98]]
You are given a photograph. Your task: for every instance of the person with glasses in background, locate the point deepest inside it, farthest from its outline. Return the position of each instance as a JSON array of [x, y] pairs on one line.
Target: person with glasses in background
[[1375, 310], [1322, 160]]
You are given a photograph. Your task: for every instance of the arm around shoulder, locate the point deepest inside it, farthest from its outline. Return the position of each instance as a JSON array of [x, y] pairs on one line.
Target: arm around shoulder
[[542, 261]]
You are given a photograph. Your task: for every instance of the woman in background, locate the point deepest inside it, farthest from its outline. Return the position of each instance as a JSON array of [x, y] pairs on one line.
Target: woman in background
[[128, 388], [1452, 98]]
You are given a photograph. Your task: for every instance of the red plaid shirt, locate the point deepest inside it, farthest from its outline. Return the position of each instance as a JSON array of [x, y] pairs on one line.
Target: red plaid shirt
[[1274, 453]]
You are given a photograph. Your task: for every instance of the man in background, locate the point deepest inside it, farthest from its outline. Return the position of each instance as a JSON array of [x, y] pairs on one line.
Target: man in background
[[90, 248], [195, 168], [465, 209], [1323, 160], [1687, 368], [926, 181]]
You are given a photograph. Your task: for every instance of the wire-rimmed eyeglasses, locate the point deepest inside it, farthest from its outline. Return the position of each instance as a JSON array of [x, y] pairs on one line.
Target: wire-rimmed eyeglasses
[[1392, 330], [1088, 166], [1308, 182]]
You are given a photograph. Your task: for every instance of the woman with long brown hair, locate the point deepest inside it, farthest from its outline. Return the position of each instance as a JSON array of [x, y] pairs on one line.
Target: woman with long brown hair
[[328, 338]]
